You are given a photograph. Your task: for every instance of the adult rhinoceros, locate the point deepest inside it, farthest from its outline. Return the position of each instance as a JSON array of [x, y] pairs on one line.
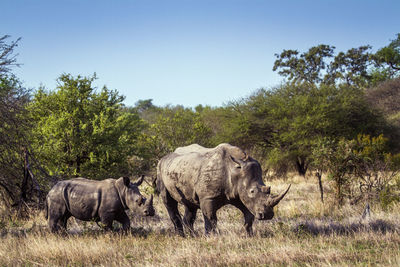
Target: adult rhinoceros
[[209, 178], [101, 201]]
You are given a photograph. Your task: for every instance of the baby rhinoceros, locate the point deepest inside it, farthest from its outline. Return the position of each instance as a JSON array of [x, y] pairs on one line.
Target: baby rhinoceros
[[100, 201]]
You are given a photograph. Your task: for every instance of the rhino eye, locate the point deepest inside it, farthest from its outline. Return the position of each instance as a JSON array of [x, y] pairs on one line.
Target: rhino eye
[[252, 190], [139, 201]]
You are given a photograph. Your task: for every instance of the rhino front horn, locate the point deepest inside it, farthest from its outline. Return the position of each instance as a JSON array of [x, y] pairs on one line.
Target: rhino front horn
[[276, 199]]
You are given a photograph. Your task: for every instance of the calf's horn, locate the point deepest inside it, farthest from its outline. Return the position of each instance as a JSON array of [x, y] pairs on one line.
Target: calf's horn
[[276, 199], [150, 200], [139, 181]]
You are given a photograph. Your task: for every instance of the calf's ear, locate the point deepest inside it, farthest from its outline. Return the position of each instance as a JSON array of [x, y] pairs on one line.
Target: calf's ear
[[127, 181], [122, 182]]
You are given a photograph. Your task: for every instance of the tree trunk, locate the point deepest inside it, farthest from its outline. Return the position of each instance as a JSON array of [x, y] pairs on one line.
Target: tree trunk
[[321, 189], [24, 185]]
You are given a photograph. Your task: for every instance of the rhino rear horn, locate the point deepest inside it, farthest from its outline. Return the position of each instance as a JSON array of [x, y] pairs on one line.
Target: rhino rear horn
[[266, 189], [278, 198], [139, 181]]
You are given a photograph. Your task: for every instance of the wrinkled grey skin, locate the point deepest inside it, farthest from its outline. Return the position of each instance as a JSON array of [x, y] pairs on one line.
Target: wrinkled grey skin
[[209, 178], [101, 201]]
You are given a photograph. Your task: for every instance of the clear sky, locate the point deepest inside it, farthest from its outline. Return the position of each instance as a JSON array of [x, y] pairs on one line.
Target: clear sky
[[183, 52]]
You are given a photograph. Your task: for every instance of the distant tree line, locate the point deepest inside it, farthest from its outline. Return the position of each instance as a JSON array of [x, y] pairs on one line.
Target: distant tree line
[[334, 113]]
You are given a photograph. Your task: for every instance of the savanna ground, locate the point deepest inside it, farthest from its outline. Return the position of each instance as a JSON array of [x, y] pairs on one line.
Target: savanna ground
[[304, 232]]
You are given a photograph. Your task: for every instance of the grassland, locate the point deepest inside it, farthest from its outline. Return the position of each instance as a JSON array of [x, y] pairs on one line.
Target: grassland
[[304, 232]]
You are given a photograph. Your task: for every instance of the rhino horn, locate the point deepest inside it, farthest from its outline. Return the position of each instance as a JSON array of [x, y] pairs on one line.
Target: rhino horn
[[266, 189], [139, 181], [150, 200], [278, 198]]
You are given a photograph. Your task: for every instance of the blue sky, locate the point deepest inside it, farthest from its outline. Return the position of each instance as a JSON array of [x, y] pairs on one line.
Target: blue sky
[[184, 52]]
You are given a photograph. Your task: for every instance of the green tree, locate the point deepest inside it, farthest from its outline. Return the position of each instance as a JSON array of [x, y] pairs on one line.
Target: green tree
[[18, 184], [305, 67], [167, 128], [388, 58], [356, 66], [351, 67], [14, 129], [80, 132], [286, 122], [179, 126], [8, 58]]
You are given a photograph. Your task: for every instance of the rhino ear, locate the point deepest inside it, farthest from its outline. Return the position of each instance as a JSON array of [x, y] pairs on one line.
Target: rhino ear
[[127, 181], [238, 165], [139, 181], [122, 182]]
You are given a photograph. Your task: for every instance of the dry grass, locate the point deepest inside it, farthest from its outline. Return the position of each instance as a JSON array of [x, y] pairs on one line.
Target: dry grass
[[304, 232]]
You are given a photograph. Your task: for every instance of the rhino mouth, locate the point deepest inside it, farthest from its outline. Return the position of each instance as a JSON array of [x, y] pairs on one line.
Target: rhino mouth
[[264, 216], [149, 212]]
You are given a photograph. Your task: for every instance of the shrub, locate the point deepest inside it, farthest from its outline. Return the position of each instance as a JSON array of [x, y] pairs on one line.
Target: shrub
[[361, 169]]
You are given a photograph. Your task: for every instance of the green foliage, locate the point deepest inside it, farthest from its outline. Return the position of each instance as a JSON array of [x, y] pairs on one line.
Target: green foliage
[[306, 67], [178, 126], [7, 57], [289, 120], [384, 97], [360, 168], [79, 132], [14, 128], [353, 67], [167, 128], [388, 58], [13, 133]]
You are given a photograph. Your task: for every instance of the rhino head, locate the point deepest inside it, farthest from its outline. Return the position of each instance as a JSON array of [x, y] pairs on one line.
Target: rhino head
[[251, 189], [132, 198]]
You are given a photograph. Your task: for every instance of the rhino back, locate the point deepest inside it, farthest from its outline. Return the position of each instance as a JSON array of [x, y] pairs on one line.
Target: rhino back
[[194, 148], [85, 199], [191, 175]]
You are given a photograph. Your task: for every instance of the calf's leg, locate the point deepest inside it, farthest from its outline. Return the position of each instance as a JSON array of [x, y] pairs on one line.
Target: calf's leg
[[124, 220]]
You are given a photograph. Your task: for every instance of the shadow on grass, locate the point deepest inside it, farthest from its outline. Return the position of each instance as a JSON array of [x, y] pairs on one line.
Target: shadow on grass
[[314, 227], [74, 231]]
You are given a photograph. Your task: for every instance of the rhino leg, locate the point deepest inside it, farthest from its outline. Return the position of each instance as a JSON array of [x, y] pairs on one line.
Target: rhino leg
[[248, 218], [53, 224], [56, 216], [62, 222], [106, 221], [173, 212], [124, 220], [210, 216], [189, 218]]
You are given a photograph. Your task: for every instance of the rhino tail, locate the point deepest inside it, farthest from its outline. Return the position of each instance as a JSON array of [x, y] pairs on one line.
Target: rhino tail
[[46, 209], [159, 186]]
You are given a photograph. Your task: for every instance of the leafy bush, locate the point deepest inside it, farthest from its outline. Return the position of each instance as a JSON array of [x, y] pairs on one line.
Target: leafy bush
[[360, 168]]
